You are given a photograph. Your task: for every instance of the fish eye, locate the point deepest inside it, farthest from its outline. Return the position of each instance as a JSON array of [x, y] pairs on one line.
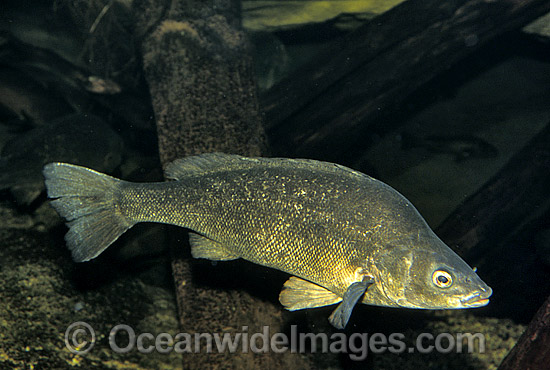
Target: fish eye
[[442, 279]]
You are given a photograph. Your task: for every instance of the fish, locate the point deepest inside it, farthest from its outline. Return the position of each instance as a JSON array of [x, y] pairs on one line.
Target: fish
[[82, 139], [343, 236], [461, 147]]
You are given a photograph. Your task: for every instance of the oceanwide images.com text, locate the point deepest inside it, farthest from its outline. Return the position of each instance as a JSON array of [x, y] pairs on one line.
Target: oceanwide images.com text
[[80, 338]]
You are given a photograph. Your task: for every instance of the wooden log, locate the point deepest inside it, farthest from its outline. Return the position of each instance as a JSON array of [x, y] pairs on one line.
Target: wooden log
[[532, 351], [324, 108], [199, 72]]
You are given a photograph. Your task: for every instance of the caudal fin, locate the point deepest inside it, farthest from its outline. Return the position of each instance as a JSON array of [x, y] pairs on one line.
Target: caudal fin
[[87, 200]]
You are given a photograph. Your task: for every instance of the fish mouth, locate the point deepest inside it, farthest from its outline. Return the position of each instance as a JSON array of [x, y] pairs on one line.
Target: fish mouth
[[477, 299]]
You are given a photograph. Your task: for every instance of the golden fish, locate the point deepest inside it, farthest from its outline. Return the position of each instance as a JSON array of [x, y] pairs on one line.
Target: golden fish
[[343, 235]]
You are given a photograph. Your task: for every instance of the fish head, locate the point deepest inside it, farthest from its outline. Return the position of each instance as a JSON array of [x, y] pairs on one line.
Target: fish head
[[428, 276]]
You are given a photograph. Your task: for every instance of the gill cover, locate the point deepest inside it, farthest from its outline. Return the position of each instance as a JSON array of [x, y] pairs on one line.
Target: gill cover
[[393, 266]]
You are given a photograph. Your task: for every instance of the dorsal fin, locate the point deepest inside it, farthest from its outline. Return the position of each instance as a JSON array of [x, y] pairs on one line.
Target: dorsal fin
[[213, 162], [198, 164]]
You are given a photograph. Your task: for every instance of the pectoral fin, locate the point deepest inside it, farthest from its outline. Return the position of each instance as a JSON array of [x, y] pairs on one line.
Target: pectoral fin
[[298, 294], [202, 247], [340, 317]]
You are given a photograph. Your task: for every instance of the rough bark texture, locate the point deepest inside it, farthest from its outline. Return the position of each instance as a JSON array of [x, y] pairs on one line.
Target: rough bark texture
[[324, 108], [199, 70], [532, 351]]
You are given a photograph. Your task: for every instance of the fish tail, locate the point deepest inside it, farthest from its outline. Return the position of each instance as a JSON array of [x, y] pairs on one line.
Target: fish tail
[[88, 201]]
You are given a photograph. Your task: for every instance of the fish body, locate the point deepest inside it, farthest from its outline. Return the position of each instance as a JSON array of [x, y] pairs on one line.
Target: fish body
[[342, 235]]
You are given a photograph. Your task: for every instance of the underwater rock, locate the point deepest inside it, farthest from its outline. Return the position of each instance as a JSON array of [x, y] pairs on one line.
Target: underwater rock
[[83, 139], [39, 303]]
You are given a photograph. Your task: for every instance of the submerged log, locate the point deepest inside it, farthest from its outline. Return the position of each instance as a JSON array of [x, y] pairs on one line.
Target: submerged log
[[322, 109], [200, 77], [532, 351]]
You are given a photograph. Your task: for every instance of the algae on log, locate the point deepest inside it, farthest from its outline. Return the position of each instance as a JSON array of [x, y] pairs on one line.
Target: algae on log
[[200, 74]]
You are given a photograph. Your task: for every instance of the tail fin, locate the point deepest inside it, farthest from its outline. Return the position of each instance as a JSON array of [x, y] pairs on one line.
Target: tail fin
[[86, 199]]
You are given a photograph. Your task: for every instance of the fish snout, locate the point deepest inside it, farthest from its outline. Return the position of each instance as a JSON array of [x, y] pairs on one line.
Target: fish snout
[[478, 298]]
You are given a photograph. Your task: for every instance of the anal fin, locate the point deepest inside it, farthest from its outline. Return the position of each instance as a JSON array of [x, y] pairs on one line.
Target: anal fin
[[202, 247], [298, 294]]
